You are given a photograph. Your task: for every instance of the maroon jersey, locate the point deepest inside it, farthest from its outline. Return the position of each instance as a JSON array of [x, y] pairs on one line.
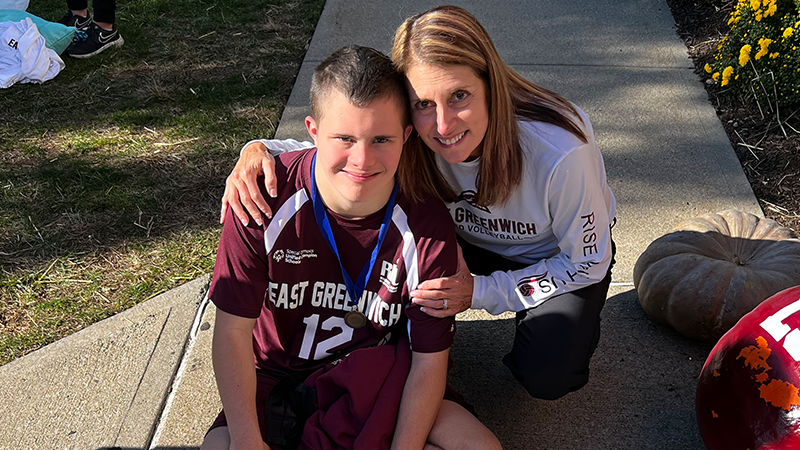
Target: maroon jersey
[[284, 274]]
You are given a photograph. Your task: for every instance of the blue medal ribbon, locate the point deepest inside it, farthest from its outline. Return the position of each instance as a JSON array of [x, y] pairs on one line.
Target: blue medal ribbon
[[354, 290]]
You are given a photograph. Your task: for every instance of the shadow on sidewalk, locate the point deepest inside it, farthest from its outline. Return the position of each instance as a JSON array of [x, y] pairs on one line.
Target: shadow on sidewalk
[[640, 392]]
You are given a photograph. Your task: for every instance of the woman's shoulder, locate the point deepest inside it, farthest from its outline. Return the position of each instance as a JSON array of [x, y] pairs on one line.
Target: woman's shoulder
[[543, 140], [547, 138], [548, 147]]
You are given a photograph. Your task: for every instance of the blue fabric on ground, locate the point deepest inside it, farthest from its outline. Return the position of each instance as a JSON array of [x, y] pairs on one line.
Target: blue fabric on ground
[[57, 36]]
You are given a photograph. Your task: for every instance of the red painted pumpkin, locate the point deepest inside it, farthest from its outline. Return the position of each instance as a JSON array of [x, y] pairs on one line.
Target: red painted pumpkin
[[747, 394]]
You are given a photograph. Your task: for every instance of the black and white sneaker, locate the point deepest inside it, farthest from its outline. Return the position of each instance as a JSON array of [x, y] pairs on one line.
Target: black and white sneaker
[[74, 20], [96, 41]]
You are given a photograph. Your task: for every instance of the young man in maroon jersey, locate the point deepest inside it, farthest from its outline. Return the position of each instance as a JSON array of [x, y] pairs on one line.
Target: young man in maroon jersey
[[299, 292]]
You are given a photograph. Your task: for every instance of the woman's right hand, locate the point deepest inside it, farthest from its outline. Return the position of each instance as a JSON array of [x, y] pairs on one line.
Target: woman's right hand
[[242, 192]]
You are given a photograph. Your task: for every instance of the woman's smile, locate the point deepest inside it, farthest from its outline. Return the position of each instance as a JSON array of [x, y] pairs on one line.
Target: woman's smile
[[449, 109]]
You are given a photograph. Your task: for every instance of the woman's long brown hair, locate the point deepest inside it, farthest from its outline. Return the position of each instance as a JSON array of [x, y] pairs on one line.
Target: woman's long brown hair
[[449, 36]]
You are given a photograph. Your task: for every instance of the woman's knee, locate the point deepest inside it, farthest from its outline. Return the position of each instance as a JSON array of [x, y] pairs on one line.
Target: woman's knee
[[548, 381], [553, 389], [554, 344]]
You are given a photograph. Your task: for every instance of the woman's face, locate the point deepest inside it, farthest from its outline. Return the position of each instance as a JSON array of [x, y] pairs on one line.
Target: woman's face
[[449, 109]]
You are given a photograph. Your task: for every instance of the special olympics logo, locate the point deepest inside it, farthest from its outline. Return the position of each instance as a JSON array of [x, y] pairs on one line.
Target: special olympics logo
[[527, 286], [469, 197], [278, 255]]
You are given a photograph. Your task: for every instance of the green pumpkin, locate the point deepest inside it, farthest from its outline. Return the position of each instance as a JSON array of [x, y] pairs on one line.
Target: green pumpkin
[[707, 273]]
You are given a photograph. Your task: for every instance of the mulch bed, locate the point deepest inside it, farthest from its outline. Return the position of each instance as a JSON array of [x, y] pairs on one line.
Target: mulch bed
[[770, 159]]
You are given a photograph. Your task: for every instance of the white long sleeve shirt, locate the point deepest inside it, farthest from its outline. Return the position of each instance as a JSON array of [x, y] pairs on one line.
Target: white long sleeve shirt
[[557, 220]]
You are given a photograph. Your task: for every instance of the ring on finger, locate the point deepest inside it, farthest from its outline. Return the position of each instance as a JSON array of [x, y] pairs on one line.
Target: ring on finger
[[444, 303]]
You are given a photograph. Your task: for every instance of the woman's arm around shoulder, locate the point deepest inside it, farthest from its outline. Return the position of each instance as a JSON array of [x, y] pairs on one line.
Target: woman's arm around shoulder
[[242, 193]]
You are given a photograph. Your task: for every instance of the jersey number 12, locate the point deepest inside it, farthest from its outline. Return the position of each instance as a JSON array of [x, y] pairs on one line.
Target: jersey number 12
[[312, 322]]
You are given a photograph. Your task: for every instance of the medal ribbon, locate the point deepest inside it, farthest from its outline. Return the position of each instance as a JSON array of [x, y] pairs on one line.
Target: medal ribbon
[[354, 290]]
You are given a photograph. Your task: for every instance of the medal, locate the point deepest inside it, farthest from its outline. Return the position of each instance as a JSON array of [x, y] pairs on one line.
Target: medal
[[354, 319]]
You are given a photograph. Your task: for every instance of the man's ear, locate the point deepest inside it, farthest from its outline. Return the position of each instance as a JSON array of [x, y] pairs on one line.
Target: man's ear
[[311, 126], [409, 129]]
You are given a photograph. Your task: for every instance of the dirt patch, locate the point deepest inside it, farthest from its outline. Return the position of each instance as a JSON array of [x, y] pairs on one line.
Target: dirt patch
[[768, 151]]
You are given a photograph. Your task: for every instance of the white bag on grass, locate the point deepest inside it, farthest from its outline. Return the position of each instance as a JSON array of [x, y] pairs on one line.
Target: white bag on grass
[[24, 58], [21, 5]]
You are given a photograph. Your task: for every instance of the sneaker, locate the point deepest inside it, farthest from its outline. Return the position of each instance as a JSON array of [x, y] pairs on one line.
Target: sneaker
[[96, 41], [74, 20]]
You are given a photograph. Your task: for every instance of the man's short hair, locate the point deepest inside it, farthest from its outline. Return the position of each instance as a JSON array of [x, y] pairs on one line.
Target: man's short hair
[[362, 74]]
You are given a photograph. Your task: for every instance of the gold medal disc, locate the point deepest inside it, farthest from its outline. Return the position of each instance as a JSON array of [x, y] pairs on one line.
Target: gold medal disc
[[355, 319]]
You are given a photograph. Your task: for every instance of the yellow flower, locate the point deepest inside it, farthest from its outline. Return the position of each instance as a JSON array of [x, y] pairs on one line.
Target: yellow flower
[[726, 75], [755, 4], [758, 16], [764, 43], [715, 77], [744, 55], [788, 32], [773, 55], [708, 69], [771, 10]]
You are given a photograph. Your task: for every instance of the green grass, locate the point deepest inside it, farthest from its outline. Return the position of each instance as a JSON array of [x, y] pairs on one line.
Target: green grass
[[111, 173]]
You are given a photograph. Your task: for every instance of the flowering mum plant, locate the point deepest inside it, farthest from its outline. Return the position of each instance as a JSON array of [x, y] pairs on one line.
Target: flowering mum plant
[[760, 57]]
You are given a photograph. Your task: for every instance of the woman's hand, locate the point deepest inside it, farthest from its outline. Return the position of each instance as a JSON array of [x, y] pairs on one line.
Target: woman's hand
[[241, 187], [444, 297]]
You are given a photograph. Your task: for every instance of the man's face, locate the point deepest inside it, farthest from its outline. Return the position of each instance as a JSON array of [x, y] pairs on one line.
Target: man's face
[[358, 150]]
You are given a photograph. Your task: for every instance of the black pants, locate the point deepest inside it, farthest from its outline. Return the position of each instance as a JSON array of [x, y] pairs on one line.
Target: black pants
[[103, 10], [555, 340]]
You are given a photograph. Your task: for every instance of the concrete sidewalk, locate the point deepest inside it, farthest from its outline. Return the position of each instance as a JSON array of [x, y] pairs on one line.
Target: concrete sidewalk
[[143, 378]]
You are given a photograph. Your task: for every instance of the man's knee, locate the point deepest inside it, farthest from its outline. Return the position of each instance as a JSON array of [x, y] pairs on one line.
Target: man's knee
[[217, 439], [457, 429]]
